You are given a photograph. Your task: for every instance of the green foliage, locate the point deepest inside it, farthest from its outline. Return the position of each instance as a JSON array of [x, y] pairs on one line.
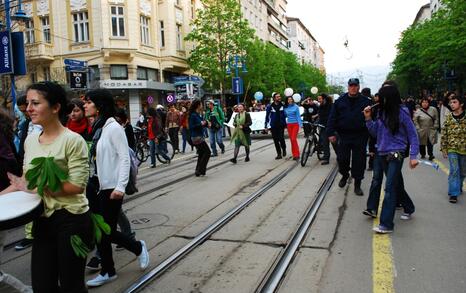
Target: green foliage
[[45, 173], [99, 227], [219, 32], [272, 70], [79, 247], [427, 49]]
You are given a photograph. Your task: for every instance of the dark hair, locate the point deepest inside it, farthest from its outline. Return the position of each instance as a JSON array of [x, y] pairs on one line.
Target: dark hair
[[76, 102], [424, 99], [151, 112], [327, 99], [121, 113], [21, 100], [460, 99], [274, 94], [6, 125], [390, 107], [53, 93], [194, 105], [366, 92], [103, 100], [389, 82]]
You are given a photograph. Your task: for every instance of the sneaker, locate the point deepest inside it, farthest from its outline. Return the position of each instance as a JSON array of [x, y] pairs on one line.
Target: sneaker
[[431, 158], [152, 166], [25, 243], [453, 199], [358, 191], [370, 213], [343, 181], [214, 155], [94, 264], [223, 150], [144, 256], [278, 157], [382, 230], [247, 159], [100, 280], [325, 163], [284, 153], [233, 160], [405, 216]]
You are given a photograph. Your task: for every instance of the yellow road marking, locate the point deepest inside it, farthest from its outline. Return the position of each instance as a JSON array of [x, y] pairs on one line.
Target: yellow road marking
[[382, 259]]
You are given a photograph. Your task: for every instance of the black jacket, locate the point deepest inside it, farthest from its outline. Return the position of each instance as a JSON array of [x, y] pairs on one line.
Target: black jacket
[[346, 116]]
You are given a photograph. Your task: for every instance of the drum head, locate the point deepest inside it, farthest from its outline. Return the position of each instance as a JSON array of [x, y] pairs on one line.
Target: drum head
[[18, 208]]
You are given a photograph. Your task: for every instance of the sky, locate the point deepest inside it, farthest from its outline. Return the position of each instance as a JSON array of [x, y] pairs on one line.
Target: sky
[[372, 28]]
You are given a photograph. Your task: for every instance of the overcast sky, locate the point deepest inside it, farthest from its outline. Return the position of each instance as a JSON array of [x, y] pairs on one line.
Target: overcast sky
[[372, 28]]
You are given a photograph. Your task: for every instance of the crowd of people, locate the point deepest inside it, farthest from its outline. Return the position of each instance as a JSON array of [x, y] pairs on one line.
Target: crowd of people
[[91, 140]]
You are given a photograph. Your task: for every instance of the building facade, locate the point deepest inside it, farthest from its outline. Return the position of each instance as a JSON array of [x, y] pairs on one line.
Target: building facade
[[303, 44], [133, 48], [435, 5], [423, 14]]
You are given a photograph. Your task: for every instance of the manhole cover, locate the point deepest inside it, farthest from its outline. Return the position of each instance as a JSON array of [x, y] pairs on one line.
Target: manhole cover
[[144, 221]]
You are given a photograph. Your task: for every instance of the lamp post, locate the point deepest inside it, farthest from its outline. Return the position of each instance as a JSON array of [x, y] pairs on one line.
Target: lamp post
[[236, 62], [20, 15]]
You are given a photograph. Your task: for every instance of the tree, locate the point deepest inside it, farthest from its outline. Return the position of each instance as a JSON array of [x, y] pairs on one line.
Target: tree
[[219, 32]]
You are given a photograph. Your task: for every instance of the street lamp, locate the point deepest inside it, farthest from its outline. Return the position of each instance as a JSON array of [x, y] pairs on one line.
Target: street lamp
[[236, 62]]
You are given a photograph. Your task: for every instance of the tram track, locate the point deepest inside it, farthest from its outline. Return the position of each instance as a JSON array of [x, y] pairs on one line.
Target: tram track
[[283, 261]]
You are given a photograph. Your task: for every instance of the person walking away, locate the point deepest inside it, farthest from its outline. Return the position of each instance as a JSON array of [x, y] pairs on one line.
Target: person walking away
[[173, 125], [395, 131], [156, 136], [196, 128], [453, 146], [184, 128], [66, 211], [8, 164], [293, 124], [215, 117], [426, 122], [113, 165], [275, 118], [347, 121], [325, 105], [242, 134]]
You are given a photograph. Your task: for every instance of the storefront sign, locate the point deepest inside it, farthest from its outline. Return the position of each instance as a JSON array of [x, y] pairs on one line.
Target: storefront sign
[[6, 64], [78, 80], [123, 84]]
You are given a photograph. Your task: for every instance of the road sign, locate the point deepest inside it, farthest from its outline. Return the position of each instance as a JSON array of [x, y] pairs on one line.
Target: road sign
[[76, 63], [237, 85], [78, 80], [75, 68], [150, 100], [6, 63], [170, 99]]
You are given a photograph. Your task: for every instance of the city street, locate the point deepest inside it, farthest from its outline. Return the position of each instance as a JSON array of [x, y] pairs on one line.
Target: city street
[[339, 254]]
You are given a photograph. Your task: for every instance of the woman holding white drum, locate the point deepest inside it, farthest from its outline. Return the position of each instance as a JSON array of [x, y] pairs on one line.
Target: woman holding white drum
[[54, 265]]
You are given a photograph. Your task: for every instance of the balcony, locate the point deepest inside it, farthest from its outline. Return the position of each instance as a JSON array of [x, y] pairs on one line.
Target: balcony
[[274, 23], [39, 52]]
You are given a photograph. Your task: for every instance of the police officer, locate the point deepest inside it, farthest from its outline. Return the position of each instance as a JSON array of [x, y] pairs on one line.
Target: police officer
[[346, 121]]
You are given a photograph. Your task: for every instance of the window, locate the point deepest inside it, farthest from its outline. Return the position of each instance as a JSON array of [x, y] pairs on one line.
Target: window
[[81, 27], [45, 28], [118, 72], [162, 35], [118, 21], [29, 33], [147, 73], [95, 72], [47, 73], [145, 33], [179, 38]]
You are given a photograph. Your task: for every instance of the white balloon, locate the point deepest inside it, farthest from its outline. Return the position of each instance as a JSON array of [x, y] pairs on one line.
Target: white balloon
[[288, 92], [296, 98], [314, 90]]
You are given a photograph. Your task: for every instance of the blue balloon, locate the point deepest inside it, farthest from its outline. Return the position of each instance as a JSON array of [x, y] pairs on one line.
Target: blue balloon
[[258, 96]]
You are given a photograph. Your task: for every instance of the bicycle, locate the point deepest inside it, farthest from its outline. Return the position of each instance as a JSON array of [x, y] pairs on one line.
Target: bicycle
[[143, 147], [312, 143]]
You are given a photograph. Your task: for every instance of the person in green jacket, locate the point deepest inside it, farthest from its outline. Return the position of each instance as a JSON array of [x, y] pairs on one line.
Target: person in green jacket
[[215, 117]]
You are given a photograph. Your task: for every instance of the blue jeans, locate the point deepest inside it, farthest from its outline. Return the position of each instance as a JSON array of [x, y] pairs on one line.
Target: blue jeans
[[184, 138], [215, 136], [394, 185], [160, 148], [376, 184], [457, 173]]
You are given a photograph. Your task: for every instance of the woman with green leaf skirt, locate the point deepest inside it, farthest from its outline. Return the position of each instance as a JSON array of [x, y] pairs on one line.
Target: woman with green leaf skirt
[[56, 167], [242, 134]]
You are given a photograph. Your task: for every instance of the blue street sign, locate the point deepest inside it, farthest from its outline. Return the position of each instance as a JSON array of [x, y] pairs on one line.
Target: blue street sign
[[6, 63], [75, 68], [76, 63], [237, 86]]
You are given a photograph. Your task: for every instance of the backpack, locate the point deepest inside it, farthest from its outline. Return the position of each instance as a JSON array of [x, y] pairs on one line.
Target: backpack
[[133, 172]]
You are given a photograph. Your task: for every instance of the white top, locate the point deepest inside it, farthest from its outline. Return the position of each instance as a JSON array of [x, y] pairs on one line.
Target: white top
[[112, 157]]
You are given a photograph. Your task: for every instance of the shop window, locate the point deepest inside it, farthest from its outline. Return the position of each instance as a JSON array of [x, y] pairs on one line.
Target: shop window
[[147, 74], [95, 72], [118, 72]]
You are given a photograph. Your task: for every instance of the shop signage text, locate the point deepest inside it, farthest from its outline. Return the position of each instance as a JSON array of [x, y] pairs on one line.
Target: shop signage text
[[123, 84]]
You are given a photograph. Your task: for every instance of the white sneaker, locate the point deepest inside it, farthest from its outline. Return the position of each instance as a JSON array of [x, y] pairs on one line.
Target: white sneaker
[[144, 256], [100, 280], [405, 216]]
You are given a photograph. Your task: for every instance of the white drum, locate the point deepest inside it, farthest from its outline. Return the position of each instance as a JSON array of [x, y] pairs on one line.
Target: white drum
[[19, 208]]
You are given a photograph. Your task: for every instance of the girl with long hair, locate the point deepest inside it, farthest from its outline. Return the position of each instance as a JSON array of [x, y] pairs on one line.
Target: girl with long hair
[[77, 120], [196, 127], [395, 132]]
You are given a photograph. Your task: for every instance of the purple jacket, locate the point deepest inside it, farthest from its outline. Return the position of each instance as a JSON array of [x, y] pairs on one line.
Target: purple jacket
[[387, 142]]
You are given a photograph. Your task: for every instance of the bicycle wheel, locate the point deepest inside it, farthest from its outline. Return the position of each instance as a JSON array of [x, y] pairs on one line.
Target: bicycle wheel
[[141, 154], [168, 150], [306, 152], [318, 148]]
